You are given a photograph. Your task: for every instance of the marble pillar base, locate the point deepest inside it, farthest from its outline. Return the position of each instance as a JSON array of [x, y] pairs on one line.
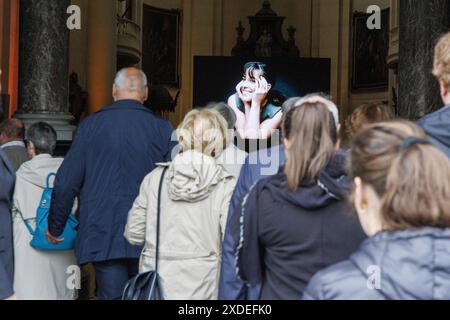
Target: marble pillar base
[[60, 122]]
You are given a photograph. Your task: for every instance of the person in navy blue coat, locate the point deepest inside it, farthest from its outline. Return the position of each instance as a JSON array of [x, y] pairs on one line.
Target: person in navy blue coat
[[437, 124], [111, 154], [7, 180], [258, 165]]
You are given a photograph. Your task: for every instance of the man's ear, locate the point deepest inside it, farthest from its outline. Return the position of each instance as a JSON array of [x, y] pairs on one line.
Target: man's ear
[[114, 92], [360, 198], [31, 149], [145, 97]]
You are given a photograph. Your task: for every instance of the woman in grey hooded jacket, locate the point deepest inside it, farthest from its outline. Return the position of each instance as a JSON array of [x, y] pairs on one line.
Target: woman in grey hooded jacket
[[194, 205], [402, 196]]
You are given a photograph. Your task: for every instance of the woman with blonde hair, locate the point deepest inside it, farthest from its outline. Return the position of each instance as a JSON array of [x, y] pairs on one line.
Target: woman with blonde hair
[[402, 196], [195, 194], [232, 158]]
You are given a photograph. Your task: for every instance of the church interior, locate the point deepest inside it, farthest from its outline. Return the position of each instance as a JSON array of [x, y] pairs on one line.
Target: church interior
[[59, 58], [113, 34]]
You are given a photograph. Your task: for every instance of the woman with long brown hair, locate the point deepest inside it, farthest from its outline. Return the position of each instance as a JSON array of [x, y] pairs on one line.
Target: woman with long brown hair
[[402, 196], [296, 223]]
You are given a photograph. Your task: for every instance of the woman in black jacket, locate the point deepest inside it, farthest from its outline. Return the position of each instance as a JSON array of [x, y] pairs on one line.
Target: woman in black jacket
[[402, 196], [297, 222]]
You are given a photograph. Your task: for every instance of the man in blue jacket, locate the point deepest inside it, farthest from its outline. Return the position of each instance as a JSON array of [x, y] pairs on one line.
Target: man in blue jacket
[[437, 124], [7, 180], [111, 154]]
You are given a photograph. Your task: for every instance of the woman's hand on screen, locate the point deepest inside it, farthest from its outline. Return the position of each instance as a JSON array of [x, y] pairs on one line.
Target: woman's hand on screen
[[261, 91]]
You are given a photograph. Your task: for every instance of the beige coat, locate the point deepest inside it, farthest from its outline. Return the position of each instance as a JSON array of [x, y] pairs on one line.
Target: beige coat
[[194, 207], [38, 275]]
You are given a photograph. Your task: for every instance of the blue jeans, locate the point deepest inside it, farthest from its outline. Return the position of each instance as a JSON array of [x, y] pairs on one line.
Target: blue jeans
[[112, 276]]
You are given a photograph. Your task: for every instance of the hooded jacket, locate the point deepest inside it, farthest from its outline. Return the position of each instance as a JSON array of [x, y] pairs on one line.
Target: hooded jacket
[[38, 275], [195, 198], [286, 237], [437, 127], [407, 265]]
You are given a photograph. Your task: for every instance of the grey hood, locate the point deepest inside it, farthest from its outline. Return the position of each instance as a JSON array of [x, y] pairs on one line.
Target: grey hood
[[31, 182], [36, 170], [437, 128], [414, 264], [192, 176]]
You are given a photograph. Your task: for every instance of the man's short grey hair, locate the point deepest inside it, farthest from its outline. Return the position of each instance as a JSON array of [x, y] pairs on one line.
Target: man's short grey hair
[[43, 137], [136, 82]]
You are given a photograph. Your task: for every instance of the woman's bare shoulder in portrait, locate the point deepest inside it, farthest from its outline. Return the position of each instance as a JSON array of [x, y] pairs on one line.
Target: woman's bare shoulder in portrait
[[232, 101]]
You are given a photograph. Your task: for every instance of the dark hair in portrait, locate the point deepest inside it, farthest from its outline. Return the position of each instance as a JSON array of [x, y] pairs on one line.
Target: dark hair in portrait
[[274, 97]]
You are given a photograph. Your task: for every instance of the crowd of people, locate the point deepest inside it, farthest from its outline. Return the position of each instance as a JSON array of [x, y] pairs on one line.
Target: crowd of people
[[354, 209]]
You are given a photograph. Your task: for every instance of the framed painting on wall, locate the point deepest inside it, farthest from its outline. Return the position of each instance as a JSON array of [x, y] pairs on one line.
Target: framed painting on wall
[[161, 30], [370, 50]]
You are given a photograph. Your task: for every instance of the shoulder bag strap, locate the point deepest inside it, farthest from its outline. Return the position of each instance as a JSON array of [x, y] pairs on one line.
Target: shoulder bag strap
[[27, 224], [51, 175], [161, 183]]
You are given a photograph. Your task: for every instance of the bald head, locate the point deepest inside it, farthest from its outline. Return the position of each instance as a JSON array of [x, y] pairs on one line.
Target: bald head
[[130, 84]]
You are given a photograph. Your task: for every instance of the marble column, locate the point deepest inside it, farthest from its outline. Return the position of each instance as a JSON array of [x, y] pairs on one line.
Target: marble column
[[421, 24], [101, 52], [44, 65]]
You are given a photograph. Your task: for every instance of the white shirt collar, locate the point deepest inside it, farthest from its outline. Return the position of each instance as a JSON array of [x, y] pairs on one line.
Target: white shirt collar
[[14, 144]]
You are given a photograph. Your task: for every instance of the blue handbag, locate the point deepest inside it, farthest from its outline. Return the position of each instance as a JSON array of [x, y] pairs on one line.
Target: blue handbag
[[40, 241]]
